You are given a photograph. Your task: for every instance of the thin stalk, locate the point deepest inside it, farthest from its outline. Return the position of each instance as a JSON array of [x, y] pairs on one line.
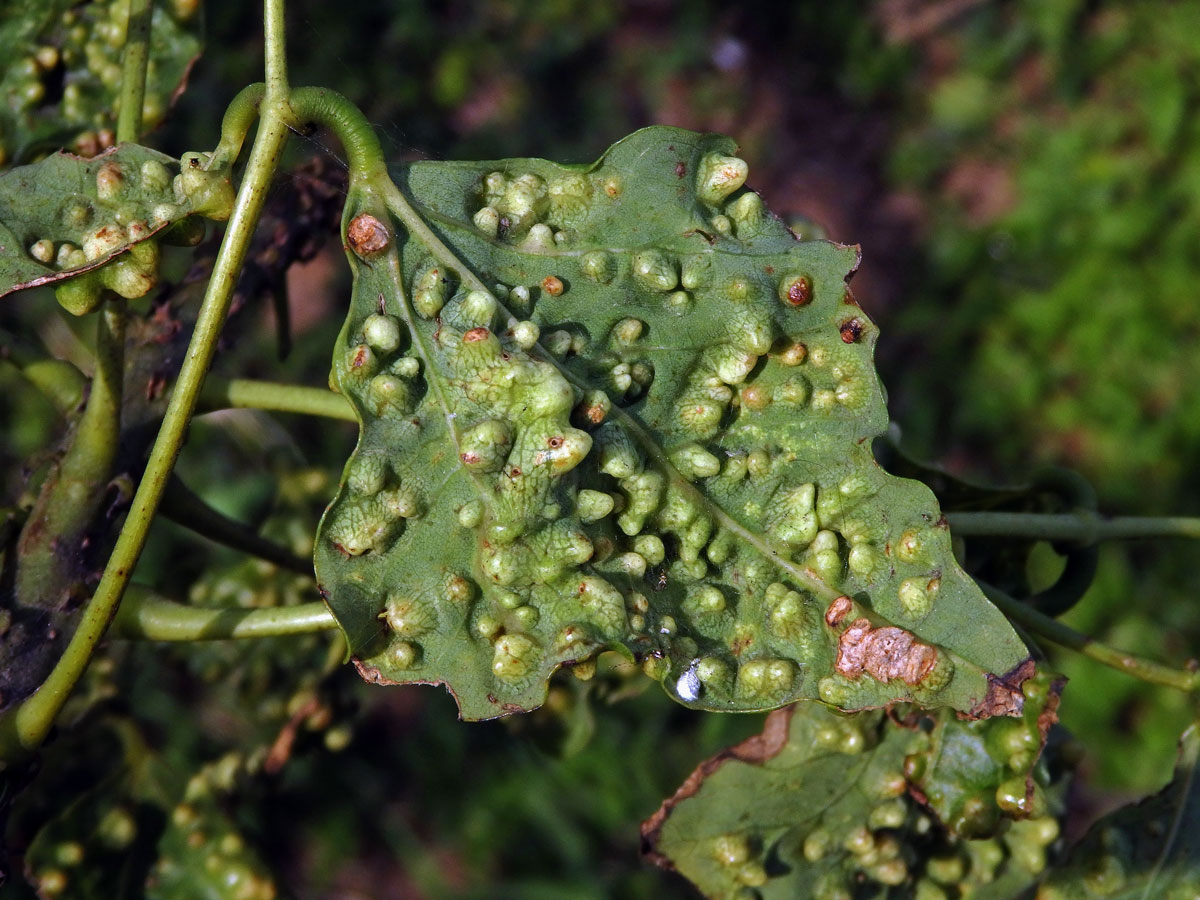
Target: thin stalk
[[24, 729], [144, 616], [136, 57], [245, 393], [1058, 633], [275, 39], [1079, 527], [182, 506]]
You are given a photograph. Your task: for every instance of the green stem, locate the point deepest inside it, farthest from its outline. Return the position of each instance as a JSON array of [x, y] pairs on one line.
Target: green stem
[[245, 393], [241, 113], [24, 729], [1058, 633], [133, 70], [275, 40], [182, 506], [143, 616], [321, 106], [1080, 527]]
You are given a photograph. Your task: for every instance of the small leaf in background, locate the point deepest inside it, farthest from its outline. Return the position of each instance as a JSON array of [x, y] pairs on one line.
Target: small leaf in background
[[61, 73], [1149, 849], [647, 427], [823, 806], [66, 216]]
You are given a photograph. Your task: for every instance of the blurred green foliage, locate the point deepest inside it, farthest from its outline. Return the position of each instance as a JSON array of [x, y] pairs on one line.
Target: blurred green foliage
[[1024, 180]]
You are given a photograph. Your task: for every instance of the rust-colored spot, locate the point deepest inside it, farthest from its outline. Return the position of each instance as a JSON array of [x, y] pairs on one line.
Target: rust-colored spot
[[554, 443], [848, 298], [552, 285], [838, 610], [595, 414], [475, 335], [799, 292], [680, 169], [360, 358], [514, 472], [883, 653], [367, 235], [470, 458], [851, 330]]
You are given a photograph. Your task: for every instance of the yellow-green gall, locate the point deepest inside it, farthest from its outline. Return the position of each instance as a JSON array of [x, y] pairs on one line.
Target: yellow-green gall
[[598, 265], [513, 656], [654, 270], [382, 332], [487, 220], [42, 251], [718, 176], [591, 506]]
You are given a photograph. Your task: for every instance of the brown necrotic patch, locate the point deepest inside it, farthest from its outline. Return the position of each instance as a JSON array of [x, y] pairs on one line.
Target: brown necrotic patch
[[883, 653], [367, 235], [851, 330], [475, 335]]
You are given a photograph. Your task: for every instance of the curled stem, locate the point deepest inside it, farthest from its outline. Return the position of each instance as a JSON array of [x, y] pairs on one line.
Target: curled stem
[[1080, 527], [145, 616], [1058, 633], [245, 393]]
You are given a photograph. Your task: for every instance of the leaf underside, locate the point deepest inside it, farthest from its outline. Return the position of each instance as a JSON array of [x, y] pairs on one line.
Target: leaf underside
[[679, 467], [65, 215], [820, 806], [61, 74]]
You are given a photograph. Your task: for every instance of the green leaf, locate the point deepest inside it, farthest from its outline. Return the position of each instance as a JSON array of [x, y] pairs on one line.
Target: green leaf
[[67, 216], [819, 806], [61, 78], [645, 425], [1148, 849]]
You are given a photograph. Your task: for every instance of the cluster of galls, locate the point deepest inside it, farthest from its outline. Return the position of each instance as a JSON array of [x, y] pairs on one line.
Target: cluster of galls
[[376, 502], [200, 849], [127, 205], [537, 215]]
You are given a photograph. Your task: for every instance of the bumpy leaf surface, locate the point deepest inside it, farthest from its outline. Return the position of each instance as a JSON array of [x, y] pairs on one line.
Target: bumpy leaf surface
[[628, 409], [66, 215], [821, 806], [61, 75]]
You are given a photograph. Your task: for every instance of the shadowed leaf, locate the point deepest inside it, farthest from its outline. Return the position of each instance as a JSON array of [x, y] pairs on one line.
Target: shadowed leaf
[[61, 74], [1149, 849]]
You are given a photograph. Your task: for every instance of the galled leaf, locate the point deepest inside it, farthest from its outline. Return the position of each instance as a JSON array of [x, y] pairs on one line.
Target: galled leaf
[[628, 409], [819, 806], [61, 75], [66, 216]]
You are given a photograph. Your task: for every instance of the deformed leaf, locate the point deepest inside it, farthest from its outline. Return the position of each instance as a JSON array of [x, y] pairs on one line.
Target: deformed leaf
[[976, 774], [1148, 849], [61, 75], [628, 409], [65, 216], [819, 806]]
